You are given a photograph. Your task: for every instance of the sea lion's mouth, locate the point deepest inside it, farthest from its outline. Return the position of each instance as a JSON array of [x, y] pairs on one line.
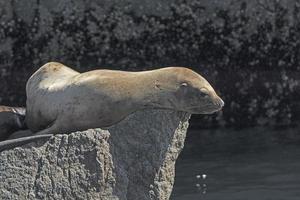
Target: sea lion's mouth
[[210, 109]]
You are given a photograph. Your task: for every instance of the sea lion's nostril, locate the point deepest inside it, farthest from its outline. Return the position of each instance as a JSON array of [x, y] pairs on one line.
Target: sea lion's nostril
[[221, 102]]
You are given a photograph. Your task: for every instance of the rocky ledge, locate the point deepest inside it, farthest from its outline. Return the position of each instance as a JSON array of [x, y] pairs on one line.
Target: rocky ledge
[[133, 160]]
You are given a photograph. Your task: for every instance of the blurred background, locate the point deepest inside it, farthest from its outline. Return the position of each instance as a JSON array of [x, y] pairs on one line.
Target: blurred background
[[248, 50]]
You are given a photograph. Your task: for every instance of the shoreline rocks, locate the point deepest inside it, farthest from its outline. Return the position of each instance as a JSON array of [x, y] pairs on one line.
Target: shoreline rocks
[[134, 159]]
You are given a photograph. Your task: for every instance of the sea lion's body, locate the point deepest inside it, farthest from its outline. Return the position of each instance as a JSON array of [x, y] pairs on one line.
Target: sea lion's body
[[93, 99], [61, 100], [11, 119]]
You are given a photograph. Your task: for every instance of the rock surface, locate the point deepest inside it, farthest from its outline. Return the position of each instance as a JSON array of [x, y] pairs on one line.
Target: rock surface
[[133, 160]]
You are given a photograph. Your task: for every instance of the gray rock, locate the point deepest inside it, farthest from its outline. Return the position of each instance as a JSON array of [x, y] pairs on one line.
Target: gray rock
[[133, 160]]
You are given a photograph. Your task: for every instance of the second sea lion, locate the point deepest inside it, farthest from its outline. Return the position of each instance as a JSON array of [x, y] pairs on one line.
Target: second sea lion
[[12, 119]]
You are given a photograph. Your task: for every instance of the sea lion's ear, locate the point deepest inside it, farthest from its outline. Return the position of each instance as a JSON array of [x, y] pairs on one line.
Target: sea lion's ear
[[157, 85]]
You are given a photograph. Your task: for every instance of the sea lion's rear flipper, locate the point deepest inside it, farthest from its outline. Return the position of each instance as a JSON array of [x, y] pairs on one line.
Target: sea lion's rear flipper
[[20, 134], [8, 144], [46, 133]]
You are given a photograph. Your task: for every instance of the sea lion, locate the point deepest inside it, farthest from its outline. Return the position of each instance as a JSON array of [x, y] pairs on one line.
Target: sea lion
[[61, 100], [11, 119]]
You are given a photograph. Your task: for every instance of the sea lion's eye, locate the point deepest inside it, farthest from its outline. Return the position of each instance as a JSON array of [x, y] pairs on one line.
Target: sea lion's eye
[[204, 92], [184, 84]]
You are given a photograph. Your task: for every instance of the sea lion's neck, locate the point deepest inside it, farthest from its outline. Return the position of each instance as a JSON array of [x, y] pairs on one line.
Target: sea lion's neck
[[151, 93]]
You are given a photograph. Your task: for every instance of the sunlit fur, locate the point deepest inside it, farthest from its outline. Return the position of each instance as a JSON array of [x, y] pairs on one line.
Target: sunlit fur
[[60, 99]]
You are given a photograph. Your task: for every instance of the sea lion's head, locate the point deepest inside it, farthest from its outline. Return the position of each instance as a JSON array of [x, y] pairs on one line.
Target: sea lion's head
[[189, 92]]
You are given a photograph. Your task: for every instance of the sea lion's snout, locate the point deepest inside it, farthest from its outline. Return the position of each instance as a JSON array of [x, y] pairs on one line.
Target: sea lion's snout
[[207, 104], [214, 104], [219, 102]]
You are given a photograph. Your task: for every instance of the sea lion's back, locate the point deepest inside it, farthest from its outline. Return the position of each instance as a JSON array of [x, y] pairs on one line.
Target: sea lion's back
[[48, 75]]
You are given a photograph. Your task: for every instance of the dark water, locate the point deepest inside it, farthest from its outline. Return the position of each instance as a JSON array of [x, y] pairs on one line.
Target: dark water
[[269, 174]]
